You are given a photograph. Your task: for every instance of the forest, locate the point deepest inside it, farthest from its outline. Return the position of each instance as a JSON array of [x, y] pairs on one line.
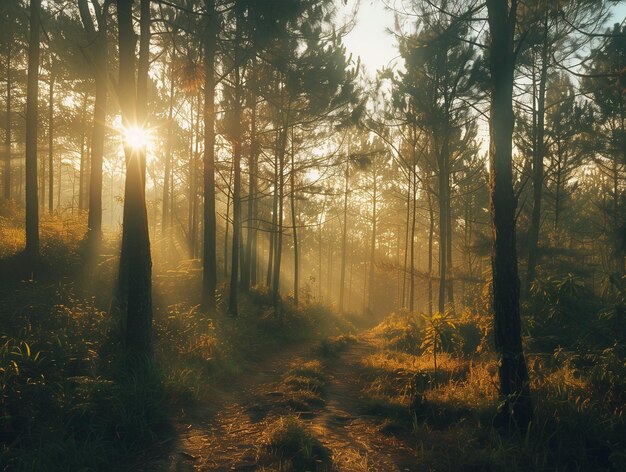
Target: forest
[[231, 241]]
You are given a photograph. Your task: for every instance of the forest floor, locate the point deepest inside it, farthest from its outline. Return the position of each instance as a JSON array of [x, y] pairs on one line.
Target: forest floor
[[234, 431]]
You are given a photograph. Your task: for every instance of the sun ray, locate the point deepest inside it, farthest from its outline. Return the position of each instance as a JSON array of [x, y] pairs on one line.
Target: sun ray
[[137, 137]]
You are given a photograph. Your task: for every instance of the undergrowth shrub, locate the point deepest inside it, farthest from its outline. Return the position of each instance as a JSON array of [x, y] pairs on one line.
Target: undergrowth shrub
[[402, 332]]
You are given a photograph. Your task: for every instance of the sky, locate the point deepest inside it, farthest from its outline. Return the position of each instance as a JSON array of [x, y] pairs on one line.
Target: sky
[[372, 42], [370, 39]]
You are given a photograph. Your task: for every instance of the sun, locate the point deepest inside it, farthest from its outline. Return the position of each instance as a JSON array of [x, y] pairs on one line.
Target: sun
[[137, 137]]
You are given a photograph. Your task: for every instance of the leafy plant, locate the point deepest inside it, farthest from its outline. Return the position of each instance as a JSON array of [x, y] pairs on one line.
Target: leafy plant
[[440, 328]]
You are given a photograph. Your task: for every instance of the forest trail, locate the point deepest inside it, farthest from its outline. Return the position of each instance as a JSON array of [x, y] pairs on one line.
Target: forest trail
[[229, 433]]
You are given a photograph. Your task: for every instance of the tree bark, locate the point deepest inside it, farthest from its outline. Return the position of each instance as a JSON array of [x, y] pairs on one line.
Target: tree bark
[[51, 142], [344, 233], [296, 266], [32, 99], [431, 233], [135, 288], [100, 58], [167, 171], [538, 155], [248, 275], [279, 227], [209, 263], [8, 129], [406, 238], [443, 230], [371, 298], [83, 145], [516, 406], [234, 269]]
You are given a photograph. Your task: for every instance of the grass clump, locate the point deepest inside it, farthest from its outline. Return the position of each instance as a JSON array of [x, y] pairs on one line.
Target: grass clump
[[302, 387], [330, 348], [290, 443]]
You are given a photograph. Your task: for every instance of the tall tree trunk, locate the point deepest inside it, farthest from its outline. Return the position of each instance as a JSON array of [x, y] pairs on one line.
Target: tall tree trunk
[[413, 223], [135, 287], [538, 155], [209, 262], [8, 129], [443, 233], [319, 261], [431, 234], [370, 301], [279, 227], [51, 142], [249, 269], [192, 180], [450, 281], [228, 224], [294, 225], [167, 171], [342, 276], [194, 209], [558, 183], [32, 100], [83, 145], [238, 136], [406, 238], [516, 405], [272, 232], [100, 59]]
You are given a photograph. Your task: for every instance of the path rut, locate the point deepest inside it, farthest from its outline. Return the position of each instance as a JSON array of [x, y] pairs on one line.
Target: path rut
[[227, 435]]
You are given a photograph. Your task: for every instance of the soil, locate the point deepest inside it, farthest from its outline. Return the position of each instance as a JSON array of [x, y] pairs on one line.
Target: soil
[[228, 434]]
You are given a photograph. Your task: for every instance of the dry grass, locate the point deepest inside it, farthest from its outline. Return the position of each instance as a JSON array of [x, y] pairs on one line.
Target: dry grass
[[291, 446]]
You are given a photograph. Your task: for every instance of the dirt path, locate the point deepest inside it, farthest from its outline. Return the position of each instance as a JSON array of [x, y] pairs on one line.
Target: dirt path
[[227, 435], [355, 439]]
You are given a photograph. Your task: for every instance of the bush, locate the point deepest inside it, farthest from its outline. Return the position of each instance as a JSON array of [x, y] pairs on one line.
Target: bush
[[401, 332]]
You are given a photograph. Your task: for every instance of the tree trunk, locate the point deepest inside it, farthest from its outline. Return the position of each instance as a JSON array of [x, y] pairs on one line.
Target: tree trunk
[[373, 240], [450, 281], [51, 142], [296, 271], [32, 99], [194, 208], [83, 145], [279, 230], [272, 232], [443, 233], [413, 223], [238, 136], [191, 188], [167, 171], [249, 270], [7, 138], [516, 406], [344, 233], [227, 223], [135, 287], [431, 233], [406, 239], [100, 57], [209, 263], [538, 154]]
